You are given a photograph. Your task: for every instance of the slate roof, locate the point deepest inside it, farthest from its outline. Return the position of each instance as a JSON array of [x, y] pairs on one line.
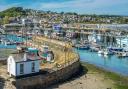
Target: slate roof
[[24, 57]]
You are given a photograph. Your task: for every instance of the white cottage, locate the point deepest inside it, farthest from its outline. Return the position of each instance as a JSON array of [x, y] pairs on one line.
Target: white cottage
[[20, 64]]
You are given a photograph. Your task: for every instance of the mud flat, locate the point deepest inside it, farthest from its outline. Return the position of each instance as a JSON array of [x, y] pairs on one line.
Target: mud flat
[[94, 78]]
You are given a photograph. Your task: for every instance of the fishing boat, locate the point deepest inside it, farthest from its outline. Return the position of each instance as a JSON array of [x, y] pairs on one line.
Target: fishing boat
[[115, 49], [7, 42], [94, 47], [108, 52], [19, 35], [122, 54], [100, 52], [82, 47], [18, 43]]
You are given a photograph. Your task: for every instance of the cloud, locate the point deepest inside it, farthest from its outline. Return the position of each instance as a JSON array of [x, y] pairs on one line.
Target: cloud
[[82, 3], [88, 6], [67, 4]]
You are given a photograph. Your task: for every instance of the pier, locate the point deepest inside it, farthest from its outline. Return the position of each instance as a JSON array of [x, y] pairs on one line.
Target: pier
[[66, 63]]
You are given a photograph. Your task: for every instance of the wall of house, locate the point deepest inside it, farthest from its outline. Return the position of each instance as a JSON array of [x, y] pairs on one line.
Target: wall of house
[[27, 67], [11, 66]]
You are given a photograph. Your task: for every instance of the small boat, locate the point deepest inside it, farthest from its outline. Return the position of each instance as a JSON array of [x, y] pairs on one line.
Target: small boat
[[0, 40], [100, 52], [122, 54], [7, 42], [82, 47], [108, 52], [19, 43], [94, 49], [19, 35], [115, 49]]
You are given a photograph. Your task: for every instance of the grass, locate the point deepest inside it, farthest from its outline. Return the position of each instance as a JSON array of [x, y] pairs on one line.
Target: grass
[[120, 82]]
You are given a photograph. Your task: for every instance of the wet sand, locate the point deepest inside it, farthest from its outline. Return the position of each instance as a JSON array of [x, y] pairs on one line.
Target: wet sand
[[88, 81]]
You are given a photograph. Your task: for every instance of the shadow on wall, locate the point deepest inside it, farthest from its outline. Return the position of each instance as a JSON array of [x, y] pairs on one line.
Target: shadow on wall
[[82, 71], [2, 83]]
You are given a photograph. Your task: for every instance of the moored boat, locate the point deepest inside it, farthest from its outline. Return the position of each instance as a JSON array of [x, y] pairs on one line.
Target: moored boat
[[122, 54], [108, 52], [115, 49], [82, 47], [100, 52]]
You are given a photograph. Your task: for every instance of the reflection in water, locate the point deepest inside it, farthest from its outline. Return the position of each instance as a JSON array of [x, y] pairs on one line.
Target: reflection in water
[[111, 63]]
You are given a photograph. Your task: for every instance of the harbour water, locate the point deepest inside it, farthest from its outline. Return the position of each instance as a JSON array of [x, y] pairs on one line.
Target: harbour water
[[111, 63], [10, 38]]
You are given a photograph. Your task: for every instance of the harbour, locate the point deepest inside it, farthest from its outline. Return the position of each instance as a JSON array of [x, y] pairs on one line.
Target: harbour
[[48, 47], [110, 62], [109, 49]]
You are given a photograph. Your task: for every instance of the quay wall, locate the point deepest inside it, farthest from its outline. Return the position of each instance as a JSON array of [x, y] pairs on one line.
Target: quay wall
[[43, 81], [3, 61]]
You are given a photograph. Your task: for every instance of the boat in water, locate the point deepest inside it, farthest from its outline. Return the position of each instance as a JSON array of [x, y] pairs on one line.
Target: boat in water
[[94, 47], [115, 49], [108, 52], [100, 52], [122, 54], [82, 47]]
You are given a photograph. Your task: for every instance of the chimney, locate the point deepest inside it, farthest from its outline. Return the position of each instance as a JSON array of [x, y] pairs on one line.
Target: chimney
[[25, 57]]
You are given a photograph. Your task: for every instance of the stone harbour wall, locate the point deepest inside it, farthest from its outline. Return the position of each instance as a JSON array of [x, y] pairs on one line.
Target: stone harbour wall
[[42, 81]]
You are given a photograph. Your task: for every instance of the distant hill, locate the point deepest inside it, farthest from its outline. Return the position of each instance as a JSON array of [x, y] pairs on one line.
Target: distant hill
[[13, 12], [69, 17], [19, 11]]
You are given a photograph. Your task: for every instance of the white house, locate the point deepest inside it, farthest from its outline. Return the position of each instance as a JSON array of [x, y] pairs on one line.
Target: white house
[[23, 63]]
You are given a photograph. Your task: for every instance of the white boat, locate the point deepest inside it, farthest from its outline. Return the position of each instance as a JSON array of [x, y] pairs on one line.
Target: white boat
[[19, 35], [100, 52], [82, 47], [107, 52], [122, 54]]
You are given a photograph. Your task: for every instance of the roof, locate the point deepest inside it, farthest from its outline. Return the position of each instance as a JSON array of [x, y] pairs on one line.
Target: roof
[[25, 57]]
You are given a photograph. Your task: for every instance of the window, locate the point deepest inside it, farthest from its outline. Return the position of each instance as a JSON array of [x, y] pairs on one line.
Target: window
[[33, 66], [21, 68]]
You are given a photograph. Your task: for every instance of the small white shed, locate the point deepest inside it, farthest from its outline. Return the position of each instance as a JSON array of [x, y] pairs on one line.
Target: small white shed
[[20, 64]]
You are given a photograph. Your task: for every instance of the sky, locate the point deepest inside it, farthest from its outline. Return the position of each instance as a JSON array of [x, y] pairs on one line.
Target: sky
[[111, 7]]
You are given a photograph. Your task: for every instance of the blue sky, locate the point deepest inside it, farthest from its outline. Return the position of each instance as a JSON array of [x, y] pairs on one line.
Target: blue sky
[[116, 7]]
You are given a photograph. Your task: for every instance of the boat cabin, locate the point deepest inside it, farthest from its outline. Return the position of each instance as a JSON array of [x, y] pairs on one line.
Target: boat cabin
[[45, 48]]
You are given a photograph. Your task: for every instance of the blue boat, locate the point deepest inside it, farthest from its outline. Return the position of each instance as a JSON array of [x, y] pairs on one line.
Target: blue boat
[[115, 49], [82, 47]]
